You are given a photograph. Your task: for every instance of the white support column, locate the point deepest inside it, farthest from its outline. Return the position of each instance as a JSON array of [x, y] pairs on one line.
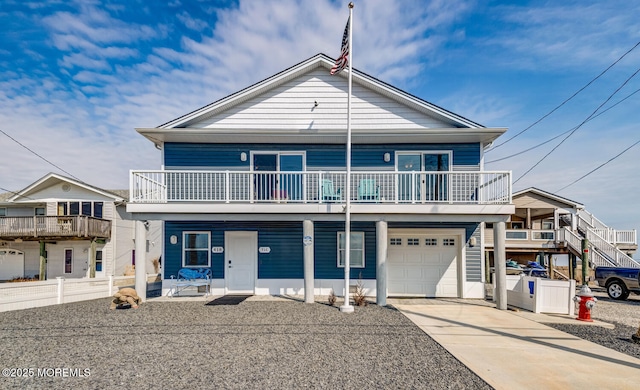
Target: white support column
[[499, 263], [308, 242], [381, 263], [141, 260]]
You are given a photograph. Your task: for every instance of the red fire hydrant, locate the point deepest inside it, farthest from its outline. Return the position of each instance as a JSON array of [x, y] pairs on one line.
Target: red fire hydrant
[[586, 301]]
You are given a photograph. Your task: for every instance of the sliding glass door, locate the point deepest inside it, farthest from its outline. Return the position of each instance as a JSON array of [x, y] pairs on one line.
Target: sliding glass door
[[422, 176], [282, 179]]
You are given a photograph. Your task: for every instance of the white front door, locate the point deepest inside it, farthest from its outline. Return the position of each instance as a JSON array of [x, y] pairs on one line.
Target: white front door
[[241, 260]]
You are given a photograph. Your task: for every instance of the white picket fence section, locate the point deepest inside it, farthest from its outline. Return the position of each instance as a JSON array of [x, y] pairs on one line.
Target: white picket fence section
[[541, 295], [27, 295]]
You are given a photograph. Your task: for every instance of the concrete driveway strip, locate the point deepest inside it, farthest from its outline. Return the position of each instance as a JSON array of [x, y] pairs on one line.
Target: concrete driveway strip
[[512, 352]]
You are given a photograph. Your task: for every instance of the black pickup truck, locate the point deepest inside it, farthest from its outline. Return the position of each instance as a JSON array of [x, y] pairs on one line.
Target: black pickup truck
[[619, 282]]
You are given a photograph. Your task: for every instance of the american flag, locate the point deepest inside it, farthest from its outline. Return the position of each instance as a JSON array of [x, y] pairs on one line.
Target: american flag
[[342, 61]]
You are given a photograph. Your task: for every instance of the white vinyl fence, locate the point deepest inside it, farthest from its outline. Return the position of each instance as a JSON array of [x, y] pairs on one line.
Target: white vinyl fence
[[26, 295], [541, 295]]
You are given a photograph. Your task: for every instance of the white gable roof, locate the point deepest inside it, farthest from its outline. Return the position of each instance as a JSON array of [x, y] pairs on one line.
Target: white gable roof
[[54, 186], [306, 104], [548, 195]]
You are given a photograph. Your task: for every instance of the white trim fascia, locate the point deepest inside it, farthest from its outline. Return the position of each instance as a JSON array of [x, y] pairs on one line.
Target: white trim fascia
[[319, 136], [24, 193]]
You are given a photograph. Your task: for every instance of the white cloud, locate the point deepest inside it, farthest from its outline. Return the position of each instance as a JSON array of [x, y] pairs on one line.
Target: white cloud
[[191, 23]]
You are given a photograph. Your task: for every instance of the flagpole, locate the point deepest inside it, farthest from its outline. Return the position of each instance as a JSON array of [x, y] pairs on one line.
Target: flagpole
[[347, 308]]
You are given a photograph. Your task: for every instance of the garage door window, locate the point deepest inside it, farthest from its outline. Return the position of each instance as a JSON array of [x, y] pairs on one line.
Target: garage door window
[[357, 250], [449, 242], [413, 241], [431, 242], [395, 241]]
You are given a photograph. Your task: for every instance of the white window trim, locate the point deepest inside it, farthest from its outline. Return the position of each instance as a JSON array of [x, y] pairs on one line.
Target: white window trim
[[533, 235], [526, 234], [184, 242], [422, 153], [279, 153], [350, 261], [64, 261]]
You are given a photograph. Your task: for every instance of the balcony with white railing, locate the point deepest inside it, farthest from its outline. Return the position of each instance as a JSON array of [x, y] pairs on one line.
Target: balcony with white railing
[[255, 188], [529, 239], [54, 227]]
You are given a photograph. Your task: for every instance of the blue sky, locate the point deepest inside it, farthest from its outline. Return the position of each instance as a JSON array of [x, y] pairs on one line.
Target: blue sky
[[76, 78]]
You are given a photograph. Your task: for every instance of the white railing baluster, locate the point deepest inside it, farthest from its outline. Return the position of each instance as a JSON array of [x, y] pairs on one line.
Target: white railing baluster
[[415, 187]]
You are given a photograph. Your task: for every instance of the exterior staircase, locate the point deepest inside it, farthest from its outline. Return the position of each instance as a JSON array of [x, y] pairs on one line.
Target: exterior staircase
[[603, 241]]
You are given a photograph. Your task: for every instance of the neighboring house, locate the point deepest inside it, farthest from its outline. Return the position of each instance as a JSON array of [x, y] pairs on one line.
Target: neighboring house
[[547, 225], [252, 187], [73, 225]]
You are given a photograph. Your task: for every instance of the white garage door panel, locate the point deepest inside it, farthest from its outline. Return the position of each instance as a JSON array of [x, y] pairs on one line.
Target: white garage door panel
[[422, 270], [11, 263]]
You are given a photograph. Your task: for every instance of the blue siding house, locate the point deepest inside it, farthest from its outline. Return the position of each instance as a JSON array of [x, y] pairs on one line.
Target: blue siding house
[[253, 187]]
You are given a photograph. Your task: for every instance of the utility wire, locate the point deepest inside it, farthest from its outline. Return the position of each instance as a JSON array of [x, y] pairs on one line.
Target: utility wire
[[18, 142], [559, 135], [600, 166], [579, 126], [15, 193], [569, 98]]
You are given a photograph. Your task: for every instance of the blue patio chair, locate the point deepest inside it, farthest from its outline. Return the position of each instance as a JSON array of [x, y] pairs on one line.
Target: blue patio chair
[[368, 190], [329, 194]]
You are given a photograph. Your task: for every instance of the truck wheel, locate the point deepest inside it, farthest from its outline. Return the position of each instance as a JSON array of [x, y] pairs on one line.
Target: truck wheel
[[617, 290]]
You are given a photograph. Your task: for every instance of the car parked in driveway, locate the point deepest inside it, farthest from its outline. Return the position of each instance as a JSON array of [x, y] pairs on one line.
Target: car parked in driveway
[[619, 282]]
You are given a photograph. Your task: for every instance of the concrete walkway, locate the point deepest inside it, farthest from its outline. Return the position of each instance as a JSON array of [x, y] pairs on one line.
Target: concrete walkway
[[504, 348]]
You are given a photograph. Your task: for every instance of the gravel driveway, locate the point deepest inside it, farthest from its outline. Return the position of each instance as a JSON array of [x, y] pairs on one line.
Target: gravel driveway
[[625, 315], [256, 344]]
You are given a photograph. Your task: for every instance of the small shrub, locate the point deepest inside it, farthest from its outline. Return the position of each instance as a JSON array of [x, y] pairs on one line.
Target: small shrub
[[24, 279], [332, 298], [358, 295]]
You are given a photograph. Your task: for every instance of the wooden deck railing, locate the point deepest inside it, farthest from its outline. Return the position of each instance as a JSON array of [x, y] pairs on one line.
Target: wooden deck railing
[[54, 226], [476, 187]]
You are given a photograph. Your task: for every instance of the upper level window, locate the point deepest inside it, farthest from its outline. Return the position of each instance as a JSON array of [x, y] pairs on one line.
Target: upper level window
[[92, 209], [38, 211], [3, 211]]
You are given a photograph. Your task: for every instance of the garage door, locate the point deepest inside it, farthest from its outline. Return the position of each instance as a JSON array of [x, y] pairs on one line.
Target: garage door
[[11, 263], [422, 264]]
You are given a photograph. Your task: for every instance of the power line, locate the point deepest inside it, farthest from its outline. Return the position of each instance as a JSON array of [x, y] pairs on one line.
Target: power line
[[600, 166], [559, 135], [579, 126], [569, 98], [18, 142], [15, 193]]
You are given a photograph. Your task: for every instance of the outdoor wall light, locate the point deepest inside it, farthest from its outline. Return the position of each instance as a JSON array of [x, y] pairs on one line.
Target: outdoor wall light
[[472, 242], [243, 156], [386, 157], [173, 239]]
